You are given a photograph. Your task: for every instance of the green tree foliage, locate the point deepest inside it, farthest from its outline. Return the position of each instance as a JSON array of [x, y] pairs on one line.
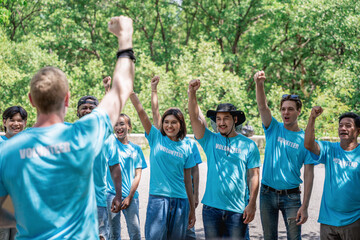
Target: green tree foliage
[[306, 47]]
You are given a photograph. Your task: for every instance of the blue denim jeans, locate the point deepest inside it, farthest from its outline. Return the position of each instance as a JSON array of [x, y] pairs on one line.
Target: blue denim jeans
[[270, 204], [166, 218], [222, 224], [190, 234], [103, 222], [131, 217]]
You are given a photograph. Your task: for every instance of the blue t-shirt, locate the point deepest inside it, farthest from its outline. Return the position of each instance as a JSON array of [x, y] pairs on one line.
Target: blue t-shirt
[[3, 138], [285, 155], [194, 149], [107, 157], [340, 203], [131, 157], [168, 159], [48, 173], [228, 161]]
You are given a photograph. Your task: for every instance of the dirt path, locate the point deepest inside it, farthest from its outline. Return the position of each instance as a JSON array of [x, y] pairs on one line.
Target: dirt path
[[310, 230]]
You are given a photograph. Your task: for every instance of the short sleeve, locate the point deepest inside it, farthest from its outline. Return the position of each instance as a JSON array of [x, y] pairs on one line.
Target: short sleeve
[[274, 123], [140, 159], [253, 158], [308, 159], [153, 135], [93, 129], [323, 149], [204, 141], [112, 153], [196, 153], [190, 161]]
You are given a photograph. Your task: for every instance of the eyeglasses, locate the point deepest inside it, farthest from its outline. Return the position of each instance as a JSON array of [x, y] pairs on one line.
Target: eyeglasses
[[288, 96]]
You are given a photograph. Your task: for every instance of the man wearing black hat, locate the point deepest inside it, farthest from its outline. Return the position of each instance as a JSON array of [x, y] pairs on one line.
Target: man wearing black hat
[[233, 170], [285, 155], [107, 157]]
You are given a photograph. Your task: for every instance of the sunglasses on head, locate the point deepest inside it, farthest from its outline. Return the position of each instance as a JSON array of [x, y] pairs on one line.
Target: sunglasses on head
[[288, 96]]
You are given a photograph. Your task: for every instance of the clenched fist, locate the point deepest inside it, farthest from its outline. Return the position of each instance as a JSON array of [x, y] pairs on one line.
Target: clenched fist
[[259, 77], [154, 82], [194, 85]]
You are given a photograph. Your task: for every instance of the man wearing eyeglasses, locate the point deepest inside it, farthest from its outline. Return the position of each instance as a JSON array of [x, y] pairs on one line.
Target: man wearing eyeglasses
[[285, 154]]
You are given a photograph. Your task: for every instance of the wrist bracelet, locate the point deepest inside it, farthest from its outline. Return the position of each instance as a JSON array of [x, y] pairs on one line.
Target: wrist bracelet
[[126, 53]]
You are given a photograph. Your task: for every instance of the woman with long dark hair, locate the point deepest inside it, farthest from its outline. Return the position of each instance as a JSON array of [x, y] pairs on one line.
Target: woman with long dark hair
[[171, 207]]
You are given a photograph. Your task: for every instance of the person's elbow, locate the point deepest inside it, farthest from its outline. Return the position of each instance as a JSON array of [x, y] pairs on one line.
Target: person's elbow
[[309, 146]]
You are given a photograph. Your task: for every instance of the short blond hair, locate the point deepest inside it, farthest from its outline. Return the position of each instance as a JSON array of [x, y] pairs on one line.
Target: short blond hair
[[48, 89]]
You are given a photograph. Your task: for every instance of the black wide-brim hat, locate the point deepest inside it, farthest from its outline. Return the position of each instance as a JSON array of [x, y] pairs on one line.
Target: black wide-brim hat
[[227, 107]]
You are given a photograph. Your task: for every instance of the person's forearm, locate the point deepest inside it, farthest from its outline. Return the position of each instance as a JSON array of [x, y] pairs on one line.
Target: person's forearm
[[253, 185], [155, 109], [115, 172], [260, 96], [309, 139], [308, 183], [141, 112], [135, 183], [196, 179], [193, 107], [188, 187]]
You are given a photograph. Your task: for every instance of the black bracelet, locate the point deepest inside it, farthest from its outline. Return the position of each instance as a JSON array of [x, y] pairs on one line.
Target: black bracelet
[[126, 53]]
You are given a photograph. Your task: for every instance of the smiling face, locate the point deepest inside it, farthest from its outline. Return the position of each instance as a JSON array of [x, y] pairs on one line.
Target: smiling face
[[225, 123], [86, 108], [289, 113], [122, 128], [171, 127], [347, 129], [14, 125]]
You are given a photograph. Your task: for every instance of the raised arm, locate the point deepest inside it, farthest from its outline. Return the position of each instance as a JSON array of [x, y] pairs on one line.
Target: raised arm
[[123, 77], [253, 183], [141, 112], [197, 123], [309, 141], [154, 102], [264, 110]]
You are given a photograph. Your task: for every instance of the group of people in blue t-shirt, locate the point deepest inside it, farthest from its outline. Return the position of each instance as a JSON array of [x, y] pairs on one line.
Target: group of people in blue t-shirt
[[72, 180]]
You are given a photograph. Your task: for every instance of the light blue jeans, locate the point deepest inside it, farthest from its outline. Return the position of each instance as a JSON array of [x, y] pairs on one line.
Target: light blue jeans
[[103, 222], [166, 218], [131, 217], [222, 224], [270, 205]]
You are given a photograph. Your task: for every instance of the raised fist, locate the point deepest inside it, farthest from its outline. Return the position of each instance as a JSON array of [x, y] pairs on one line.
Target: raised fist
[[154, 82], [194, 85], [259, 77], [122, 27], [316, 111], [107, 83]]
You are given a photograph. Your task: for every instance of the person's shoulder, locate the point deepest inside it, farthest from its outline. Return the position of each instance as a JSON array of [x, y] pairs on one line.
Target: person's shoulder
[[244, 139], [135, 146]]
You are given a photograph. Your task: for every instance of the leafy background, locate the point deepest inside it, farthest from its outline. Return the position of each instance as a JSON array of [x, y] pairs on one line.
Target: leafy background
[[306, 47]]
